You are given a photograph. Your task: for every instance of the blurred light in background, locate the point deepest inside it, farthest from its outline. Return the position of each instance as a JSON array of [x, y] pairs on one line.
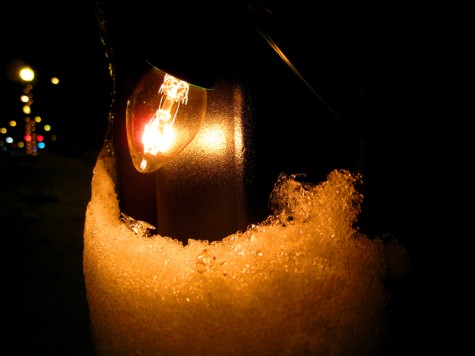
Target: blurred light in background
[[30, 137], [27, 74]]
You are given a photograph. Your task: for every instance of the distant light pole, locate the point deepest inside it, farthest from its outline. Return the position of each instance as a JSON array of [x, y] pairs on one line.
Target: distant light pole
[[27, 75]]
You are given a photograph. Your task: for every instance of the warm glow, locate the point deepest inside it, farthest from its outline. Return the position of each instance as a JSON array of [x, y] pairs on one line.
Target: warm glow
[[157, 136], [213, 139], [38, 119], [12, 123], [54, 80], [157, 139], [24, 98], [27, 109], [27, 74], [3, 130], [47, 127]]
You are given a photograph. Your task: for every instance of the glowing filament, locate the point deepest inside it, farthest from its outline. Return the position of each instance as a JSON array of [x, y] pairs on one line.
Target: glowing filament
[[158, 134]]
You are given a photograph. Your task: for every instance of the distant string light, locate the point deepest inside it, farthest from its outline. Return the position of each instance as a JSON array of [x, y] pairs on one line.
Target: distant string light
[[35, 132], [27, 75]]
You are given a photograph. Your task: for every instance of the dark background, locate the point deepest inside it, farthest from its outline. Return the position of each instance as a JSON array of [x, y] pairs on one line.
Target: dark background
[[389, 72]]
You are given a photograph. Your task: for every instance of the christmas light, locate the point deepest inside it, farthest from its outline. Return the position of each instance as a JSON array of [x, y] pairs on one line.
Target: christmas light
[[163, 116]]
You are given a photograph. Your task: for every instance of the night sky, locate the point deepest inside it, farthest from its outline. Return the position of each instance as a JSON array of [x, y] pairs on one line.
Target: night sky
[[387, 72]]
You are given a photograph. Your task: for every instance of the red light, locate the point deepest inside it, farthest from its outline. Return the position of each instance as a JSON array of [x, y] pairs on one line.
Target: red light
[[39, 138], [27, 138]]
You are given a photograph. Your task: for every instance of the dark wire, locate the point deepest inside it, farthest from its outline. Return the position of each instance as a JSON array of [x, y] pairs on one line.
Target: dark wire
[[281, 54]]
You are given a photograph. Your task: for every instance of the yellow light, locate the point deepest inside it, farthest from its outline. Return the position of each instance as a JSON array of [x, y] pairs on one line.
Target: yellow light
[[38, 119], [27, 109], [24, 98], [54, 80], [47, 127], [163, 116], [213, 139], [12, 123], [3, 130], [27, 74]]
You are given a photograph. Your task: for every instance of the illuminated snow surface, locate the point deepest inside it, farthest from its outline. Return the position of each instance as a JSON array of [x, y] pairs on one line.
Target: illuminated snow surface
[[304, 281]]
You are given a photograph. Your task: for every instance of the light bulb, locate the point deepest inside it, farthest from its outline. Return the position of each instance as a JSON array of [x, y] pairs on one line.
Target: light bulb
[[163, 116]]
